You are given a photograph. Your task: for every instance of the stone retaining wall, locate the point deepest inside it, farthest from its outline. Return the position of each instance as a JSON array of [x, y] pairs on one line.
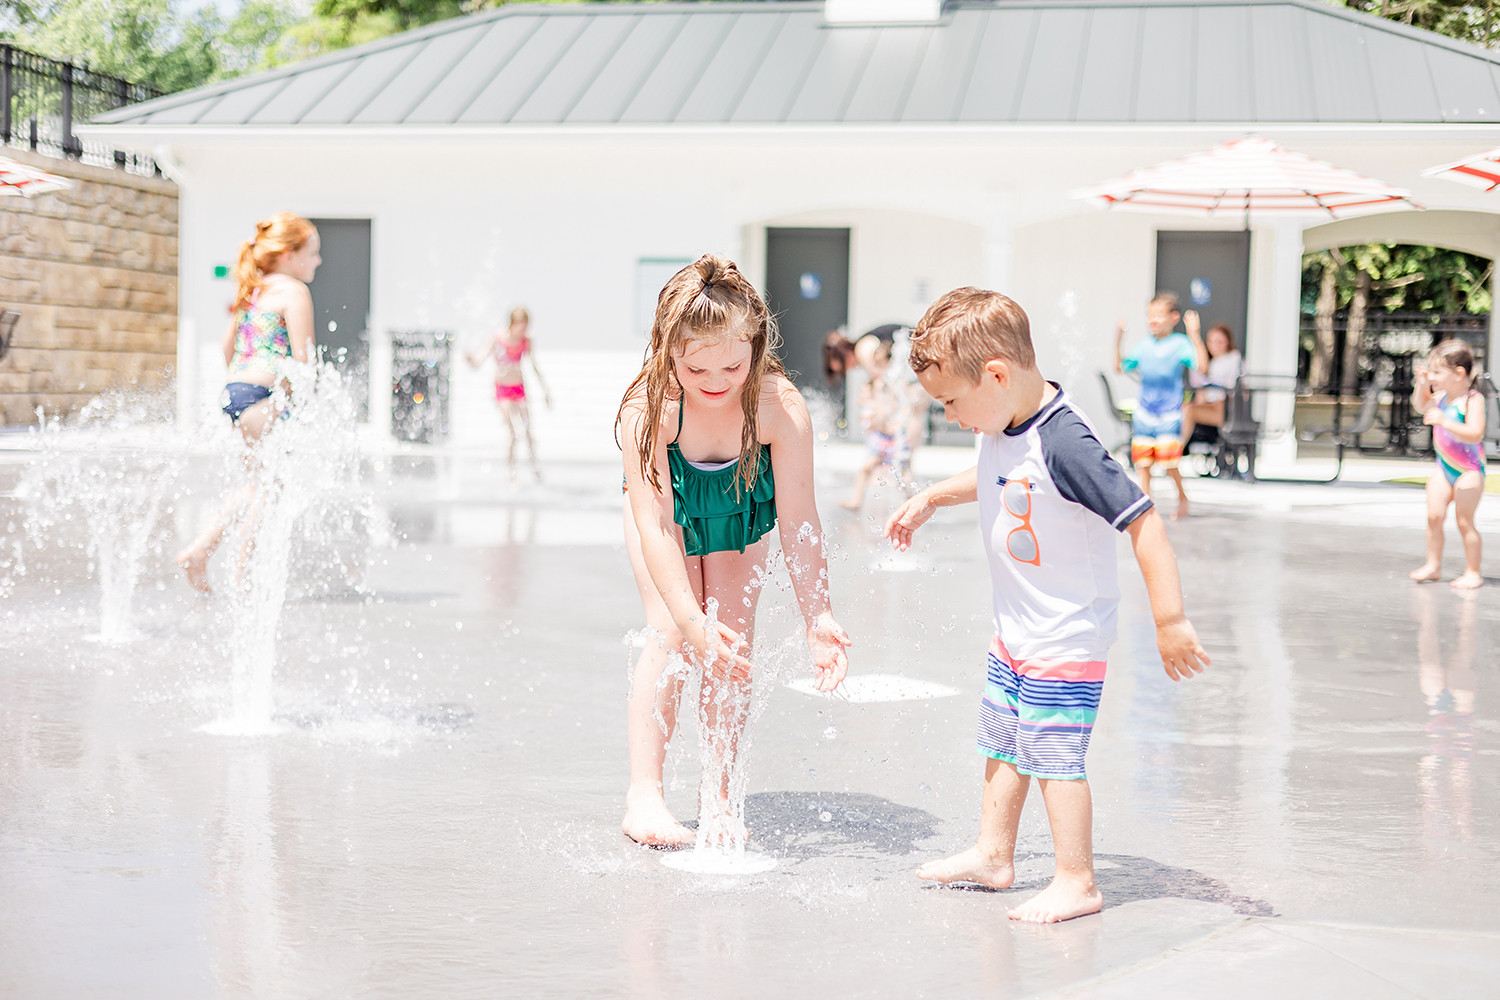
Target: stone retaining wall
[[93, 272]]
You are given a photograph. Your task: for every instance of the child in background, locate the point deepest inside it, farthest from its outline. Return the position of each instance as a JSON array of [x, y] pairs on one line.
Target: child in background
[[509, 347], [718, 449], [883, 413], [1050, 501], [1450, 405], [1224, 369], [1156, 426]]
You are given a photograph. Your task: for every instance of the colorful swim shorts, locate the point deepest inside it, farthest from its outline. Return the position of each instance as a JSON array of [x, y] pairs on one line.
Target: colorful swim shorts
[[1038, 714], [1156, 438]]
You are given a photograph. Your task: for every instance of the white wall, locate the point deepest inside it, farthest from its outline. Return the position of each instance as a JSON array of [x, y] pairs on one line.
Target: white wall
[[465, 228]]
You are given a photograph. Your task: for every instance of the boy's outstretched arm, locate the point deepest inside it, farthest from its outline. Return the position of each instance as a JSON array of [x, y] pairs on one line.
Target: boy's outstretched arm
[[962, 488], [1182, 655]]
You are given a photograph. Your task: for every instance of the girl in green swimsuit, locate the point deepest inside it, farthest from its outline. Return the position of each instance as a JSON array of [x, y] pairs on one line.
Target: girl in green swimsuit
[[718, 448]]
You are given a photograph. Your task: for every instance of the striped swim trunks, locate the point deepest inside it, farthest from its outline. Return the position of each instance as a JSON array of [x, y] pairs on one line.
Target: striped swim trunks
[[1038, 714]]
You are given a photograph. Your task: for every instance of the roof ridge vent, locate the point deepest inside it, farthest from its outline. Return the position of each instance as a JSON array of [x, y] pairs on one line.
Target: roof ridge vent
[[882, 11]]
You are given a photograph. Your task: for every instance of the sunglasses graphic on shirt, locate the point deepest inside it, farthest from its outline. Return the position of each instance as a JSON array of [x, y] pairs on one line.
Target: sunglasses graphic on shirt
[[1021, 543]]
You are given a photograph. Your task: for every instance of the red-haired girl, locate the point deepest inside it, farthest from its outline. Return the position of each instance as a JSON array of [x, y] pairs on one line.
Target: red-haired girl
[[271, 322]]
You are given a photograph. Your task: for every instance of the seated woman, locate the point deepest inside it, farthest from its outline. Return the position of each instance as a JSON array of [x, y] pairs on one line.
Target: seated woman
[[1223, 369]]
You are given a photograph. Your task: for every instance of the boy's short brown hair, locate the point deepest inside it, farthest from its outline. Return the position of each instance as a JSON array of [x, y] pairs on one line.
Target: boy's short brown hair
[[1168, 299], [968, 327]]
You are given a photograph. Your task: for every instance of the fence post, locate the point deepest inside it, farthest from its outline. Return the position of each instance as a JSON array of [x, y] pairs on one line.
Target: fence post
[[5, 93], [67, 108]]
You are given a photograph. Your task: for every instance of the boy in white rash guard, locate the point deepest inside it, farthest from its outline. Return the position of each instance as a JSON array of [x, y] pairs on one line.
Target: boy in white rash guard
[[1050, 501]]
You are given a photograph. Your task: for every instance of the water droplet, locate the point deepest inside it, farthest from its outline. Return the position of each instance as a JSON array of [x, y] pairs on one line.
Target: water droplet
[[825, 816]]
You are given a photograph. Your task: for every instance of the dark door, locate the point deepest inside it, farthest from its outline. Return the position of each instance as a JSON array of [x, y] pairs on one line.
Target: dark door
[[807, 285], [1210, 272], [341, 302]]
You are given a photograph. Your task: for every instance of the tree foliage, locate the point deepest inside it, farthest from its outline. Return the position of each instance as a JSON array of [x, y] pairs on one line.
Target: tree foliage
[[1476, 21], [1400, 278], [149, 41]]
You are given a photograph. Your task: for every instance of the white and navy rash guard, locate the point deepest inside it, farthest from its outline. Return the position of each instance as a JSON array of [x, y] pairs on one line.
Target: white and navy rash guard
[[1055, 591]]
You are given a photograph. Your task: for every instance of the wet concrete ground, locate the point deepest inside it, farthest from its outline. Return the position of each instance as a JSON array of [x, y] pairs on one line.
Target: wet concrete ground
[[1315, 817]]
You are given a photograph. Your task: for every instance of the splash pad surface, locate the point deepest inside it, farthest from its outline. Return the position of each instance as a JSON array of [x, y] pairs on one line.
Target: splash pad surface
[[433, 807]]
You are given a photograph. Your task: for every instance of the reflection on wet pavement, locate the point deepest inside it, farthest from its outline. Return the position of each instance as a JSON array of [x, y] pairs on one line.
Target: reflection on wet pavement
[[438, 812]]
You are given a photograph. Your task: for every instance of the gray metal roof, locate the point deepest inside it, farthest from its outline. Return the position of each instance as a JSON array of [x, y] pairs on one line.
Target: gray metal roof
[[1012, 61]]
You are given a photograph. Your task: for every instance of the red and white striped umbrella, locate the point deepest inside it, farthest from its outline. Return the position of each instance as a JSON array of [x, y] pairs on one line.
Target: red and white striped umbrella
[[1482, 170], [1244, 176], [18, 178]]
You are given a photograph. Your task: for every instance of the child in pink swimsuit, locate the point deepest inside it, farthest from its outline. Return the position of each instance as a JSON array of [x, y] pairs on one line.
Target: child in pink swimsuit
[[508, 348]]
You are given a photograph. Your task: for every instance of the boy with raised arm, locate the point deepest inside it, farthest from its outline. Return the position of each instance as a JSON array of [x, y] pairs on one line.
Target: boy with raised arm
[[1050, 500], [1160, 360]]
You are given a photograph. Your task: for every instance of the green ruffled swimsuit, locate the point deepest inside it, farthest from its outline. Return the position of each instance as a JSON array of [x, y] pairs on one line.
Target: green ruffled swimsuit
[[716, 513]]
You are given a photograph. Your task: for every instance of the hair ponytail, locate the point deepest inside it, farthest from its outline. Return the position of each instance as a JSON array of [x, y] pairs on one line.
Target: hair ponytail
[[281, 234]]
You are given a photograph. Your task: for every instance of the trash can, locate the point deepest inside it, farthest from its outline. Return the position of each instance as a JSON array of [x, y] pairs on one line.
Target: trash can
[[420, 363]]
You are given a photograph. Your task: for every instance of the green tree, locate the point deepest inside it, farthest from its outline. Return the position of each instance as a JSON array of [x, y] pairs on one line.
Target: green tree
[[1476, 21], [149, 41]]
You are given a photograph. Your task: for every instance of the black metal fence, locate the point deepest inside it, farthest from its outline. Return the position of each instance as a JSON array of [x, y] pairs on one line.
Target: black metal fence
[[1390, 347], [1389, 339], [42, 100]]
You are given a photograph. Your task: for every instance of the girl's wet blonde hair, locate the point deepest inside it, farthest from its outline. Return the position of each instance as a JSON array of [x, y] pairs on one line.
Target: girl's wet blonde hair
[[281, 234], [709, 300]]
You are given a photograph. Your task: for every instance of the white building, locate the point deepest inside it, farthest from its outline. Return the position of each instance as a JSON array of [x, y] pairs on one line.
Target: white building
[[568, 158]]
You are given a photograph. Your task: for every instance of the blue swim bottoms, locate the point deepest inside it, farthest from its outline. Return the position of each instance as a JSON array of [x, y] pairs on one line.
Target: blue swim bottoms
[[240, 396]]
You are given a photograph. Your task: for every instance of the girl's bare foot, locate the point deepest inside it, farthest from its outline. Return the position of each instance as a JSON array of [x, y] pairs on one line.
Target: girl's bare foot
[[647, 821], [195, 564], [1427, 573], [972, 865], [850, 504], [1183, 509], [1067, 897], [1469, 581]]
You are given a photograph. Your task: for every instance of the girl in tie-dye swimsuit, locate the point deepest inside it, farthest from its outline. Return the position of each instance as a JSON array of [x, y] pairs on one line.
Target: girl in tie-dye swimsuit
[[271, 321], [1446, 397]]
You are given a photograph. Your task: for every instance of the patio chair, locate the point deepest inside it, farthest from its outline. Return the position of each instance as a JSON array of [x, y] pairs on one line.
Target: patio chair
[[1119, 410], [1491, 442], [1364, 419], [1239, 433]]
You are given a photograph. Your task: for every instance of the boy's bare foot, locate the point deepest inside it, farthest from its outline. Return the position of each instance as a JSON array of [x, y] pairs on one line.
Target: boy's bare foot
[[1427, 573], [647, 821], [195, 564], [970, 866], [1064, 899], [1469, 581]]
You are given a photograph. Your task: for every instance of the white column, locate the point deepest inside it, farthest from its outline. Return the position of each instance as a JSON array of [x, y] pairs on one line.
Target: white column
[[999, 250], [1275, 331], [189, 266]]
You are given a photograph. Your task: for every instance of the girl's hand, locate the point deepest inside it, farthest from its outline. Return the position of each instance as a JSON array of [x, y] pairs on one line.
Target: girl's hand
[[718, 650], [1432, 416], [828, 640], [907, 519], [1182, 655]]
